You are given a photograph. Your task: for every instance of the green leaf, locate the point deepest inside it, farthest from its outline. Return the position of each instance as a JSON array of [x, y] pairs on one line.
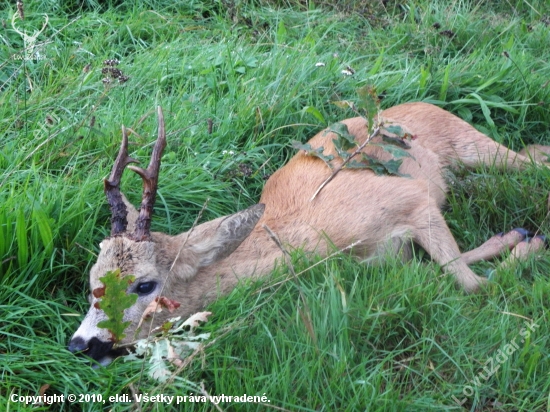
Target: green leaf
[[342, 131], [395, 141], [394, 150], [344, 140], [114, 301], [391, 167], [395, 129], [354, 164], [306, 147], [342, 147], [368, 95], [369, 103], [316, 113]]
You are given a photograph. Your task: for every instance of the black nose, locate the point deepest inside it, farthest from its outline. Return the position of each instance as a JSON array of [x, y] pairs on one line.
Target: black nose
[[77, 345], [94, 348]]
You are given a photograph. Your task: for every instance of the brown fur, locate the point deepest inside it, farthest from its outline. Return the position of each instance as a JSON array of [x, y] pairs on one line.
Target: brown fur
[[382, 213]]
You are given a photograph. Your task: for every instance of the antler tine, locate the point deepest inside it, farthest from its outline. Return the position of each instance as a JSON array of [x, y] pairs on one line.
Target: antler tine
[[15, 15], [112, 188], [150, 181], [46, 20]]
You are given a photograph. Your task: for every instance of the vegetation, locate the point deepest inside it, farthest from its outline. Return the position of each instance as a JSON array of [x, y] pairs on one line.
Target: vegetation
[[238, 82]]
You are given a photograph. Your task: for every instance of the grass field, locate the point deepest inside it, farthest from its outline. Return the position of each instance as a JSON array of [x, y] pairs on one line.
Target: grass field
[[238, 80]]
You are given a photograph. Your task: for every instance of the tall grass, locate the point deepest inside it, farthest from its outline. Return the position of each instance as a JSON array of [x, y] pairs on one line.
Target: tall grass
[[394, 337]]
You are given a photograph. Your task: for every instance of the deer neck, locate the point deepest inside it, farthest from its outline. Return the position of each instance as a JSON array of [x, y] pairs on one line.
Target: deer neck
[[255, 257]]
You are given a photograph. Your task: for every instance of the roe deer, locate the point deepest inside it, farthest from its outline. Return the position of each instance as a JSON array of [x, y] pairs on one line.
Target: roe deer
[[376, 213]]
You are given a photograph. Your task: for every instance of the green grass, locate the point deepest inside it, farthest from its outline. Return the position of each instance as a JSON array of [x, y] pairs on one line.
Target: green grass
[[394, 337]]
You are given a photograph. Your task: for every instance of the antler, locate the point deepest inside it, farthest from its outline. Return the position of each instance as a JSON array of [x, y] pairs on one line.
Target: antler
[[112, 188], [150, 180], [25, 36]]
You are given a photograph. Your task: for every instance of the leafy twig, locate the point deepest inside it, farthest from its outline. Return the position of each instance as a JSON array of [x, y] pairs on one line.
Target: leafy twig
[[345, 162]]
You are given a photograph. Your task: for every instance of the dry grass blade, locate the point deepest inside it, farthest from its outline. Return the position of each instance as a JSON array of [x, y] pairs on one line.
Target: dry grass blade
[[305, 313], [205, 393]]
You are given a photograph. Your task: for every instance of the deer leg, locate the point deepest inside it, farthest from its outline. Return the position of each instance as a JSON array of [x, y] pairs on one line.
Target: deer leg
[[537, 152], [495, 246], [434, 236], [481, 150], [523, 249]]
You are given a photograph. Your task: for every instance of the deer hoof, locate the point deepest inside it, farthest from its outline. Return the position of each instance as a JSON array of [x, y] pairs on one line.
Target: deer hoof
[[538, 238], [524, 232]]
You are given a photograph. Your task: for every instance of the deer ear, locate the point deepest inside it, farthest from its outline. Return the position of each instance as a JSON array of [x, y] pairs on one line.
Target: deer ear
[[132, 214], [228, 236]]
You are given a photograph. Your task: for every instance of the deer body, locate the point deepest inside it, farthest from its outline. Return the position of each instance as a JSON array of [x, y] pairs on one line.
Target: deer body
[[378, 213]]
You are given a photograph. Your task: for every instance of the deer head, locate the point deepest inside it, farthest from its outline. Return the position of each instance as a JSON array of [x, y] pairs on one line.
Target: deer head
[[29, 41], [163, 265]]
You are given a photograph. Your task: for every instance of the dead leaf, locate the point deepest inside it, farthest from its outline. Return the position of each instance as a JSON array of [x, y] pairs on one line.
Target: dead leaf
[[41, 393], [173, 357], [156, 307], [43, 389], [98, 292], [169, 304], [194, 320]]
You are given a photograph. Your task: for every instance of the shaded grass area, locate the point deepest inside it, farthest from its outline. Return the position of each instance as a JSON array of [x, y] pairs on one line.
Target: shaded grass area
[[237, 82]]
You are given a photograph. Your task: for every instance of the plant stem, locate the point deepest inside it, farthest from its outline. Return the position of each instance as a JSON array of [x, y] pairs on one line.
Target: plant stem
[[357, 151]]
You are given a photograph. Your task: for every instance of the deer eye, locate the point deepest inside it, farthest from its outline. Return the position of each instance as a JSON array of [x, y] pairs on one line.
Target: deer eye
[[145, 288]]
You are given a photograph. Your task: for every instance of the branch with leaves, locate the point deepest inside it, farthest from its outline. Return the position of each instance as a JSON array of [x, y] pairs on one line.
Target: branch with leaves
[[345, 162], [392, 136]]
